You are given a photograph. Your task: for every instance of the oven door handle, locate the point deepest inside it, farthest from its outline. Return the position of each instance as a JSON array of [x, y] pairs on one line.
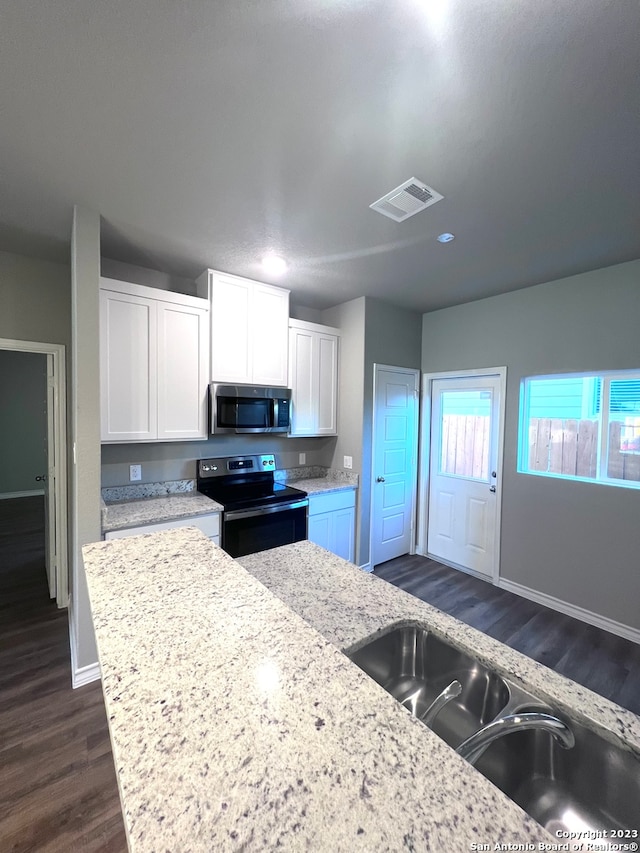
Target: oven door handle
[[264, 510]]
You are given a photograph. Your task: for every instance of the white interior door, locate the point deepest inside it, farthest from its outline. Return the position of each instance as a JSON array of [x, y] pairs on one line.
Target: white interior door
[[463, 472], [395, 456], [50, 532]]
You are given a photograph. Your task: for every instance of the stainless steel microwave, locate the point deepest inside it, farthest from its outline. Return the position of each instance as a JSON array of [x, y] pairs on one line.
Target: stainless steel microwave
[[248, 409]]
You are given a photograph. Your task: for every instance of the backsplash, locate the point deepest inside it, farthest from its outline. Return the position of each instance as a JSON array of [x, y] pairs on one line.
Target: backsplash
[[136, 491], [163, 461]]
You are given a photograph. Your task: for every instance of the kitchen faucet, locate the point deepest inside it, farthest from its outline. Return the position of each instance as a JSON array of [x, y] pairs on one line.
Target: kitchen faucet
[[472, 748], [454, 689]]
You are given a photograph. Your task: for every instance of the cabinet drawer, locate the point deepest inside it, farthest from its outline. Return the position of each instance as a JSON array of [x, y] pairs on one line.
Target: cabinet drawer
[[208, 524], [332, 501]]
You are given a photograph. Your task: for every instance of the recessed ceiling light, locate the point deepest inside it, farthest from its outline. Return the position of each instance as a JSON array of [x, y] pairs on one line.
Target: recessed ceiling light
[[274, 265], [446, 237]]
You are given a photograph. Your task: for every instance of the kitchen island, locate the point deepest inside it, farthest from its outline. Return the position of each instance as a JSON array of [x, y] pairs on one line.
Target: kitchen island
[[237, 722]]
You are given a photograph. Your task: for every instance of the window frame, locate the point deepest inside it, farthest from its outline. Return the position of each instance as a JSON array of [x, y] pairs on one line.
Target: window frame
[[602, 417]]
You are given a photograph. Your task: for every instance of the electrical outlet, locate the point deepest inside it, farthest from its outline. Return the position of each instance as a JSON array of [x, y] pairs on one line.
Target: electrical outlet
[[348, 462], [302, 458], [135, 473]]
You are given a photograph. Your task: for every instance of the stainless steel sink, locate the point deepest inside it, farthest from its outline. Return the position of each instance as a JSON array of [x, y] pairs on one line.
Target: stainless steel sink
[[414, 666], [594, 786]]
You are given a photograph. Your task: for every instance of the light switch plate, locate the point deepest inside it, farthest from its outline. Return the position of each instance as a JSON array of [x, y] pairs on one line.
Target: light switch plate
[[348, 462], [302, 458], [135, 473]]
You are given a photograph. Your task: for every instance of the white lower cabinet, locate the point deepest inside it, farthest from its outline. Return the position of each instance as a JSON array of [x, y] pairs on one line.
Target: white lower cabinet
[[332, 521], [209, 524]]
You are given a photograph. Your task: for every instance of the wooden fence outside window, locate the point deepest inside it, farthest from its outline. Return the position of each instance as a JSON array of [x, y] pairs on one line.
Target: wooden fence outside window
[[556, 446]]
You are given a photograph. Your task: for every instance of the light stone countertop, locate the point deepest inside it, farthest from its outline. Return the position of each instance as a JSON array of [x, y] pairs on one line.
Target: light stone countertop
[[133, 513], [349, 607], [236, 725], [321, 485]]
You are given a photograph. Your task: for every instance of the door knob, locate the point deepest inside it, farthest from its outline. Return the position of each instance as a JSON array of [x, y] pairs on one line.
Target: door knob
[[379, 479], [492, 488], [41, 479]]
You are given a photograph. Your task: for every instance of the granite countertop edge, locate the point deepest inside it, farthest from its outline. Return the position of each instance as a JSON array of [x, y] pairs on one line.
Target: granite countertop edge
[[132, 512], [121, 515], [321, 485]]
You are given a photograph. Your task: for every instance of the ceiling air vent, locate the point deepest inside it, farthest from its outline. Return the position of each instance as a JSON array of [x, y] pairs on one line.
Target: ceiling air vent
[[406, 200]]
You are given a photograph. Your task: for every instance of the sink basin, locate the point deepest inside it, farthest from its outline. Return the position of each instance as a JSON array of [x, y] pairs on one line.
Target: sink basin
[[594, 786], [414, 666]]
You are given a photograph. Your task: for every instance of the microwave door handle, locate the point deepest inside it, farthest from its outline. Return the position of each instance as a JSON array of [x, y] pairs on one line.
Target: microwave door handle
[[265, 510]]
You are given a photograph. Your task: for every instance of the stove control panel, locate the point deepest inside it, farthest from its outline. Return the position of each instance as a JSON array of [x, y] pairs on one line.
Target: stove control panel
[[236, 465]]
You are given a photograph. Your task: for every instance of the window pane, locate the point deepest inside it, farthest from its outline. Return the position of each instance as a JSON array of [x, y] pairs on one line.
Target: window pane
[[561, 429], [465, 433], [624, 430]]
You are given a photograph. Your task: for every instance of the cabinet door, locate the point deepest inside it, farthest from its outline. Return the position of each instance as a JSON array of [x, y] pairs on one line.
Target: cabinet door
[[183, 355], [302, 381], [327, 385], [270, 333], [231, 344], [319, 530], [128, 401], [343, 533]]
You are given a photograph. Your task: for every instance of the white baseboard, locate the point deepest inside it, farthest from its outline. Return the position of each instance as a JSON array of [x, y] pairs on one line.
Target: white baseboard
[[80, 675], [617, 628], [5, 496], [85, 675]]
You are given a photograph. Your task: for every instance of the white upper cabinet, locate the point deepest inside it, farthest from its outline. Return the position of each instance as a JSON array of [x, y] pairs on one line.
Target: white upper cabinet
[[269, 331], [231, 345], [154, 351], [183, 371], [249, 331], [128, 367], [313, 378]]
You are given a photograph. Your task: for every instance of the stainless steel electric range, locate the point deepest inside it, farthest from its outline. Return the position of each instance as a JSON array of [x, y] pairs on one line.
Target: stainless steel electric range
[[258, 512]]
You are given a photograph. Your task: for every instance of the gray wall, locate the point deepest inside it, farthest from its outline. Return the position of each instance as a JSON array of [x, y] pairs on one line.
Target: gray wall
[[576, 541], [372, 332], [85, 422], [23, 420], [350, 319], [301, 312], [393, 336], [35, 300], [176, 460], [149, 278]]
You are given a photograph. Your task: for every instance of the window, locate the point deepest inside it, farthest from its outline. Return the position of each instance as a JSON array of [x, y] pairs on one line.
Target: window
[[582, 427]]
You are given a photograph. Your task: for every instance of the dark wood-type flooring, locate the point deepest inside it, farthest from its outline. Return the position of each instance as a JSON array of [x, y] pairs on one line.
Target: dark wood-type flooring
[[601, 661], [58, 790]]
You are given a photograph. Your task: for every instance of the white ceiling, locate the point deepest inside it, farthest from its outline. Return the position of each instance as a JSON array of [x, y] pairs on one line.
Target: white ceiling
[[206, 133]]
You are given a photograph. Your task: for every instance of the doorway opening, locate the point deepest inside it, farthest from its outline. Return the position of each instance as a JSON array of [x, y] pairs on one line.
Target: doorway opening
[[461, 470], [52, 482]]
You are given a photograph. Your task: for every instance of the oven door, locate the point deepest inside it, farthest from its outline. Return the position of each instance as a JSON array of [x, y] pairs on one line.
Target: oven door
[[247, 531]]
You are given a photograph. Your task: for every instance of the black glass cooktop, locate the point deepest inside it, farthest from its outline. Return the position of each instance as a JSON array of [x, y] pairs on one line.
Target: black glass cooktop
[[243, 495]]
